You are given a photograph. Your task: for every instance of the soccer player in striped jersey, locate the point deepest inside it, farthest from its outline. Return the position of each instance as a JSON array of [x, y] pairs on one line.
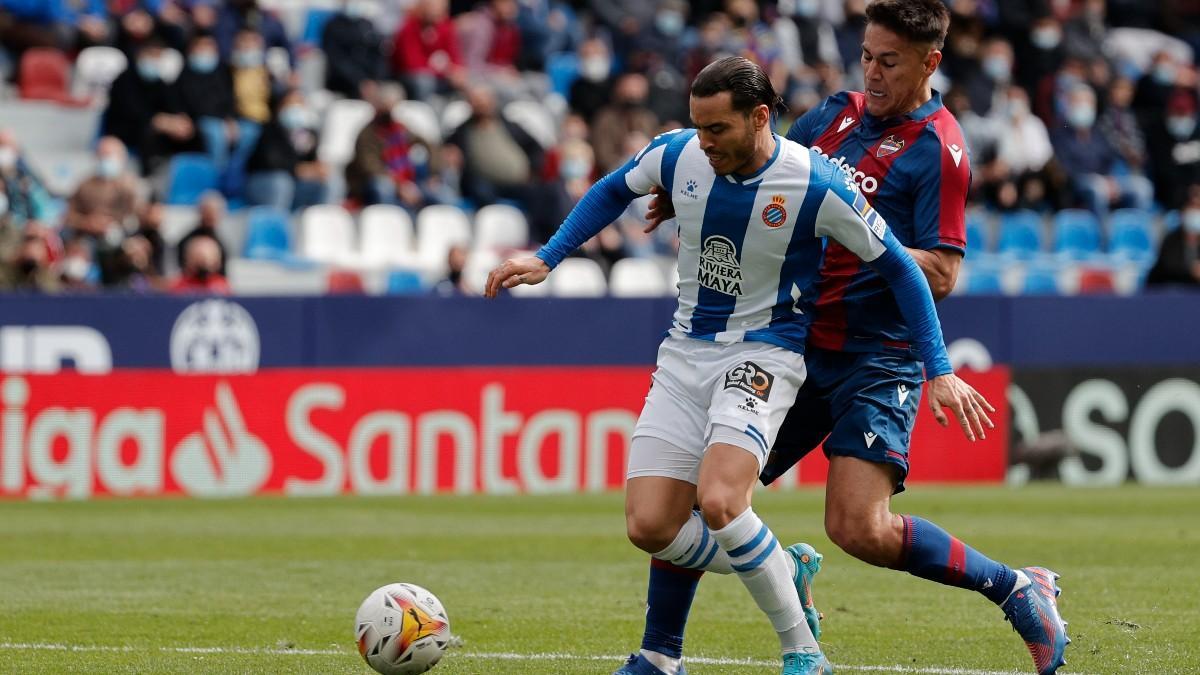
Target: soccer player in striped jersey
[[752, 209], [906, 153]]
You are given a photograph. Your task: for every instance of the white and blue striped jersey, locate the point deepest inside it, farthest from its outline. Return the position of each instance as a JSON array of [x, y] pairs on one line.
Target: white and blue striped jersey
[[750, 247]]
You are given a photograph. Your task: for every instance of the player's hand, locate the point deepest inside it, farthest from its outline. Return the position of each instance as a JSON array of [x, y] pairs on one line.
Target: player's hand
[[661, 209], [515, 271], [970, 408]]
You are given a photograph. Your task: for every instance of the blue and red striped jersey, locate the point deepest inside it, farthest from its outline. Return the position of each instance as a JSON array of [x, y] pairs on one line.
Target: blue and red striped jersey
[[915, 171]]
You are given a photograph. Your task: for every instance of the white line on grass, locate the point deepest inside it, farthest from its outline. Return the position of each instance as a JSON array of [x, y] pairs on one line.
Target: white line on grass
[[496, 656]]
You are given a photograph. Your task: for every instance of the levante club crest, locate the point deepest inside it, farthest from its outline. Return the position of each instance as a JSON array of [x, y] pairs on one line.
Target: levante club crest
[[774, 214], [890, 146]]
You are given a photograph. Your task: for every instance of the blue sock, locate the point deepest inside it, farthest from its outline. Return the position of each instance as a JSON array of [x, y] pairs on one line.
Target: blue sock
[[932, 553], [670, 600]]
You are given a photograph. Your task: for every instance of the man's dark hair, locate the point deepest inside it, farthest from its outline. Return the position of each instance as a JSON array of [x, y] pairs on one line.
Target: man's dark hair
[[923, 21], [746, 83]]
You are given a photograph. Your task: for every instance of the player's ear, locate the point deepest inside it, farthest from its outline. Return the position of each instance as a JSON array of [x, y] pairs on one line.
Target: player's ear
[[761, 116], [932, 61]]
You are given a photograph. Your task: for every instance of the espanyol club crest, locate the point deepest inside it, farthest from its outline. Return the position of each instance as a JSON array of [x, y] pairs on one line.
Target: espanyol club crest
[[774, 214], [890, 146]]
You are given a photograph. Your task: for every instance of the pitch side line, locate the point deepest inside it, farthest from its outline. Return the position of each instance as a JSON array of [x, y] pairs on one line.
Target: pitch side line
[[497, 656]]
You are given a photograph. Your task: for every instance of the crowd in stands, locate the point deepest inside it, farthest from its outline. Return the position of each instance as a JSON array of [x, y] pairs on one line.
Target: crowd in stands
[[250, 113]]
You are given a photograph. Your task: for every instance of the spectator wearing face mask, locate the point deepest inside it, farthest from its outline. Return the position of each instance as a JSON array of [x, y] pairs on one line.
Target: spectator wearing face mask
[[389, 161], [107, 199], [144, 112], [201, 270], [627, 114], [1175, 149], [235, 16], [205, 93], [1155, 86], [284, 171], [1089, 160], [212, 214], [454, 284], [1023, 149], [1119, 126], [594, 86], [1178, 260], [24, 195], [28, 266], [252, 90], [425, 52], [1038, 60], [353, 50]]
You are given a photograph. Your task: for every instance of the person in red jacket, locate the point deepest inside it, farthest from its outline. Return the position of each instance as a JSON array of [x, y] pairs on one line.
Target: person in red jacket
[[425, 55]]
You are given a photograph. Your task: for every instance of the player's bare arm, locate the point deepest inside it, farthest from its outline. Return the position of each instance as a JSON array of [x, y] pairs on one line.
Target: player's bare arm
[[940, 266]]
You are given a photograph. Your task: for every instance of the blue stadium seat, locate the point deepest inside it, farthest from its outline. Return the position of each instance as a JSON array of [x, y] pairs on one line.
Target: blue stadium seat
[[1020, 234], [404, 282], [1131, 237], [983, 280], [189, 176], [1041, 280], [314, 24], [1076, 234], [563, 70], [978, 231], [268, 235]]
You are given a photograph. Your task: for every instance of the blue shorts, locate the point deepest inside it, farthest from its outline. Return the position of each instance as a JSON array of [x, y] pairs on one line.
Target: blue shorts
[[860, 404]]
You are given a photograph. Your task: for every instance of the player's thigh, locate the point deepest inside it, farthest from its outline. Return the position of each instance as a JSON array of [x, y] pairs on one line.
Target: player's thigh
[[752, 393], [874, 409], [676, 407]]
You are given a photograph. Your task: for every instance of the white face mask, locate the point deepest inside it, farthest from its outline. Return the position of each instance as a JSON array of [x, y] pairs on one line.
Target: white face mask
[[1191, 220], [76, 268], [594, 68], [1046, 38], [1181, 127], [1082, 117], [109, 167], [8, 157]]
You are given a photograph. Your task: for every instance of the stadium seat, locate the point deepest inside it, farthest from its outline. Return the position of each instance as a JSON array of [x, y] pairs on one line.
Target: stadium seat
[[637, 278], [480, 263], [1076, 234], [1041, 279], [438, 228], [419, 118], [272, 277], [327, 235], [386, 236], [453, 115], [1097, 281], [314, 24], [1020, 234], [343, 122], [95, 70], [346, 282], [535, 119], [500, 227], [45, 75], [404, 282], [1131, 235], [189, 175], [268, 235], [563, 70], [578, 278], [984, 274], [978, 231]]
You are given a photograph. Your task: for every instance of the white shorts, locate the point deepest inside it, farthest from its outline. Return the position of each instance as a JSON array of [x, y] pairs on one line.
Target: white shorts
[[706, 392]]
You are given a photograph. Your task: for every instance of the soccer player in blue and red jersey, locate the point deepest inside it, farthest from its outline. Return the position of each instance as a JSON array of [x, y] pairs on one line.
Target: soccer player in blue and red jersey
[[906, 152]]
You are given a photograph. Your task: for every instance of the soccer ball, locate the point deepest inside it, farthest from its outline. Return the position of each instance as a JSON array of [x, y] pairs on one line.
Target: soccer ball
[[401, 629]]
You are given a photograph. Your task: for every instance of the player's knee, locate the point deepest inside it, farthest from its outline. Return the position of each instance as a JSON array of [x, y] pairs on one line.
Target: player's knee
[[863, 536], [720, 505], [648, 533]]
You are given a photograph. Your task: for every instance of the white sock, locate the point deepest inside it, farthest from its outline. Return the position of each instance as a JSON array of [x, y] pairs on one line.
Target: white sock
[[696, 548], [663, 662], [762, 565]]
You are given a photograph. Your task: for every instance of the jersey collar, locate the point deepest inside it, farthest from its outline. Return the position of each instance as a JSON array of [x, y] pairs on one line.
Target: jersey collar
[[925, 110], [757, 175]]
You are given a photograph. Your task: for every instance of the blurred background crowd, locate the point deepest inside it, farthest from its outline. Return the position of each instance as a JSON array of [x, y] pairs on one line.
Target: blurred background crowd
[[281, 146]]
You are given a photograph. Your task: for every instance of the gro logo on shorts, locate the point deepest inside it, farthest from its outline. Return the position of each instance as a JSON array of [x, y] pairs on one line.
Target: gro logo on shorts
[[750, 378]]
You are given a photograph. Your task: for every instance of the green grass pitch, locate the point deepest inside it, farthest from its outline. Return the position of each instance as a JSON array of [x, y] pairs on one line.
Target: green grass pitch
[[271, 585]]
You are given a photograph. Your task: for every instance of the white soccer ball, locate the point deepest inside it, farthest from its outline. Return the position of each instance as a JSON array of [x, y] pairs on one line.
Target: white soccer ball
[[401, 629]]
